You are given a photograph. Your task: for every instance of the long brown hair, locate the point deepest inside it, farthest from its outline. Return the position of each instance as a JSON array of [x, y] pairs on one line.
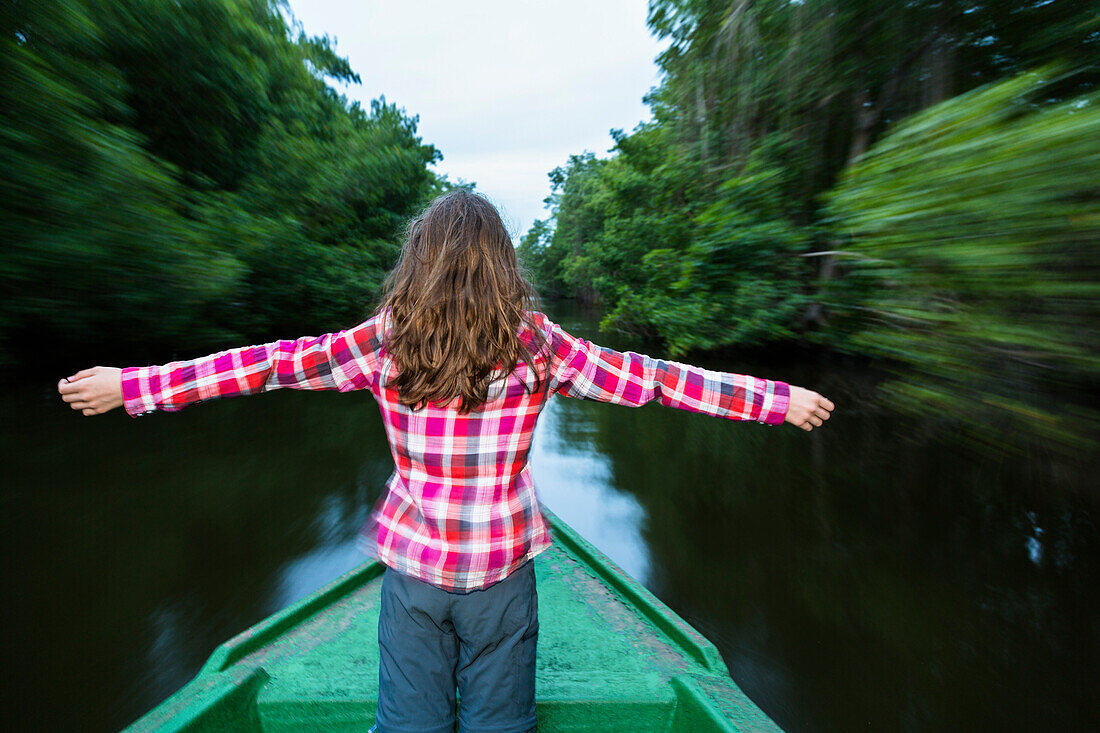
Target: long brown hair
[[457, 303]]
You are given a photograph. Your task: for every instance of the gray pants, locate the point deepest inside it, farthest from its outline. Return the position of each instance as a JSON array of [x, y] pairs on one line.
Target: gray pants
[[482, 642]]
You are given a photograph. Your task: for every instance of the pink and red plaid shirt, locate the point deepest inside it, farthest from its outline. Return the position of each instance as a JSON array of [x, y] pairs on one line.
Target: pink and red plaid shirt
[[459, 510]]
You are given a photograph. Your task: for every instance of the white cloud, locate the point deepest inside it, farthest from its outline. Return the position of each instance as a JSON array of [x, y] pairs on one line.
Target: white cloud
[[507, 90]]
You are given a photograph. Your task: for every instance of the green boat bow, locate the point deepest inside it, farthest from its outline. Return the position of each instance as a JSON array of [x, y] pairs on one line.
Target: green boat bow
[[611, 657]]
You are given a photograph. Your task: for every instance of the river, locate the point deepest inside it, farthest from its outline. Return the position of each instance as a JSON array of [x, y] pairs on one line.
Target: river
[[875, 574]]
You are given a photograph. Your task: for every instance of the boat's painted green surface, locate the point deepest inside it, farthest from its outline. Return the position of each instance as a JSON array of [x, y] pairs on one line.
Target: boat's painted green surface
[[611, 657]]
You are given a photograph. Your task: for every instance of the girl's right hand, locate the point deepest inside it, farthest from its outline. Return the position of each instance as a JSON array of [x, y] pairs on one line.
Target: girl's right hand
[[93, 391], [808, 409]]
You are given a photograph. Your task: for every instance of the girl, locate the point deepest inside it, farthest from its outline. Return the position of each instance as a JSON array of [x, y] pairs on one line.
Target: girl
[[461, 369]]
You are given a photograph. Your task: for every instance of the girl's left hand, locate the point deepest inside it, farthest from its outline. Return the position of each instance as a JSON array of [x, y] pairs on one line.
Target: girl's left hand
[[807, 409], [93, 391]]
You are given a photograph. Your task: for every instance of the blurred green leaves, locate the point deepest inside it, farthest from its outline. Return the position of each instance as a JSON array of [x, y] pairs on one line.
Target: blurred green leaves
[[977, 229], [182, 176], [960, 244]]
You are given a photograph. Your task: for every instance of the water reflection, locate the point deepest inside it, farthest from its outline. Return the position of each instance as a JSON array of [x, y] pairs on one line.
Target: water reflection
[[575, 481], [308, 573], [872, 573], [166, 660]]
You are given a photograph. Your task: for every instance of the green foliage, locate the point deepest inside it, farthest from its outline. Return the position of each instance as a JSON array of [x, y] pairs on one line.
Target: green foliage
[[976, 221], [738, 280], [971, 228], [182, 174], [95, 245], [199, 80], [535, 257], [782, 96]]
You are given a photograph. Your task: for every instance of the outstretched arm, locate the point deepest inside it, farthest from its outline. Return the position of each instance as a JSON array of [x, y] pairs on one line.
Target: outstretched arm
[[343, 361], [584, 370]]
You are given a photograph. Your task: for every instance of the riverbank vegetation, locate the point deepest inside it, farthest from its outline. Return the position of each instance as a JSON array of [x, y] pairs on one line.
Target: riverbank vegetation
[[913, 181], [181, 175]]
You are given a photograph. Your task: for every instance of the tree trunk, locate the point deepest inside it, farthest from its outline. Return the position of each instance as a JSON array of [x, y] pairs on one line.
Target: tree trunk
[[866, 115]]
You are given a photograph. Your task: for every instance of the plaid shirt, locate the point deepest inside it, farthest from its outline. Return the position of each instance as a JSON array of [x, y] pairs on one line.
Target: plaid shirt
[[459, 510]]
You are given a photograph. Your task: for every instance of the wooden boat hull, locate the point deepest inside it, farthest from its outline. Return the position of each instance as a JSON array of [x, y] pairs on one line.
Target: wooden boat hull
[[611, 657]]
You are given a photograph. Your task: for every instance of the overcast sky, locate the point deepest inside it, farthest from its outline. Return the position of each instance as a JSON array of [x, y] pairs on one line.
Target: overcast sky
[[506, 89]]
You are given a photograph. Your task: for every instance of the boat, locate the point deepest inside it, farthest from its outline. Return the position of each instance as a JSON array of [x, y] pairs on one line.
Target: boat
[[611, 657]]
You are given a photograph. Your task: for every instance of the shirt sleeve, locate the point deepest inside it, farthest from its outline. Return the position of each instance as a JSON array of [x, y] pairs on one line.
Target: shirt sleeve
[[581, 369], [342, 361]]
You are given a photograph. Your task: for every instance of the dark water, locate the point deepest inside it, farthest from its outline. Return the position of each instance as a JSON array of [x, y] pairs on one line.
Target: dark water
[[872, 574]]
